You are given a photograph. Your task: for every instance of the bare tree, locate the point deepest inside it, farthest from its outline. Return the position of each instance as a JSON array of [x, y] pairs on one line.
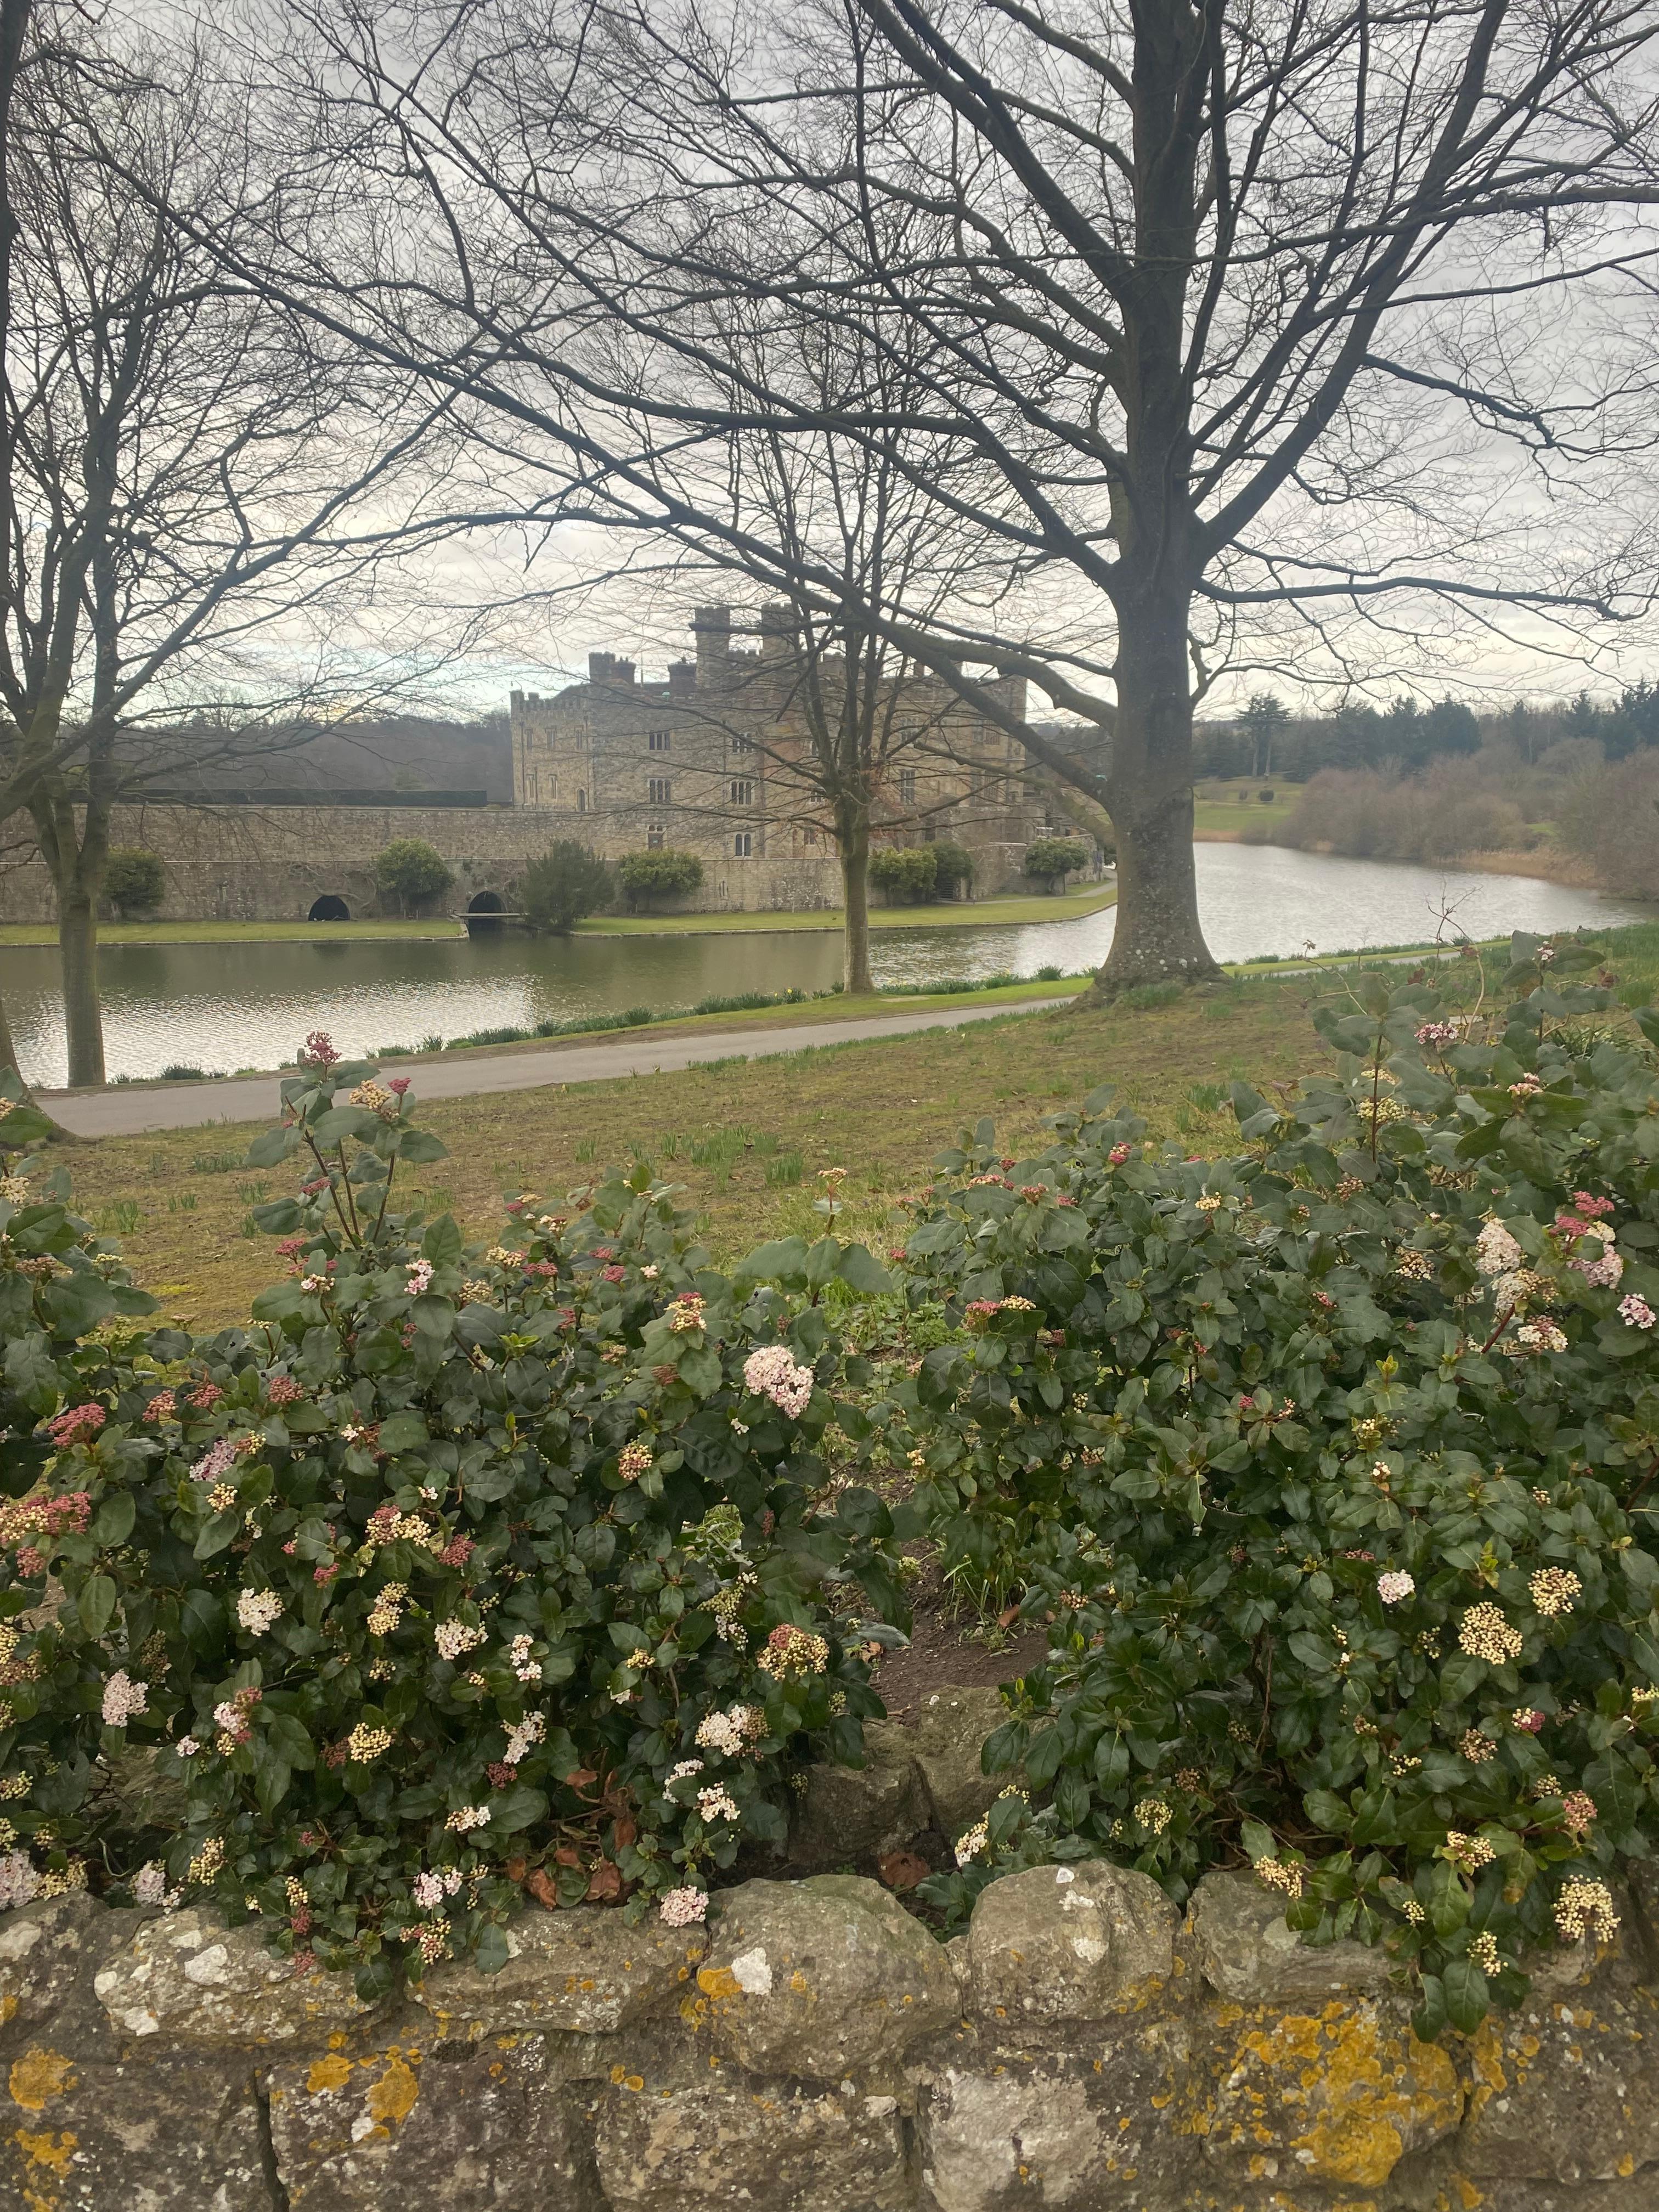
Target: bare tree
[[1265, 324], [182, 460]]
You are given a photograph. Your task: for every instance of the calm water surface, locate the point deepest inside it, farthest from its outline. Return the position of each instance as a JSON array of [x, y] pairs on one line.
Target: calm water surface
[[225, 1006]]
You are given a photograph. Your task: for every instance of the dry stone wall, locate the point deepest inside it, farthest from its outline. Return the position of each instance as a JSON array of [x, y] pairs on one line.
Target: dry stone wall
[[816, 2049]]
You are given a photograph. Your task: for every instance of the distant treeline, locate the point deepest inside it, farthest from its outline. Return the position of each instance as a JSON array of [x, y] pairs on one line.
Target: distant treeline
[[1268, 740]]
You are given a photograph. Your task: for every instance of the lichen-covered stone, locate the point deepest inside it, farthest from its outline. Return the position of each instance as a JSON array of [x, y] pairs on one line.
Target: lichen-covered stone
[[1336, 2096], [1065, 1943], [469, 2128], [43, 1951], [188, 1978], [736, 2143], [587, 1969], [1245, 1952], [848, 1813], [181, 2135], [946, 1737], [1565, 2092], [822, 1978], [998, 2129]]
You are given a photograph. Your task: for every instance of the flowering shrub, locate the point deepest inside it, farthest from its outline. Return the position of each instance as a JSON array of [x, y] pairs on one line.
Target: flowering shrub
[[458, 1572], [1332, 1466]]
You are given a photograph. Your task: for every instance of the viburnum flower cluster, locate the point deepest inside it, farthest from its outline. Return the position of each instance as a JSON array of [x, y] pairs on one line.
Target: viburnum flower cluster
[[774, 1372]]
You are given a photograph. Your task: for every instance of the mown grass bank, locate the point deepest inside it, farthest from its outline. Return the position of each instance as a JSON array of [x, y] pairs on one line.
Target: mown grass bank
[[748, 1137]]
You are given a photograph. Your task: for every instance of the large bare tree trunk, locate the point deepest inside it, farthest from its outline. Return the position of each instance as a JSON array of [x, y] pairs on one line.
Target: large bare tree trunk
[[1156, 936], [853, 835]]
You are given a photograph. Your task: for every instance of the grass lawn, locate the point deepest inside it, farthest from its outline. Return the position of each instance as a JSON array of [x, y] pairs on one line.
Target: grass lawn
[[948, 914], [1224, 805], [748, 1137]]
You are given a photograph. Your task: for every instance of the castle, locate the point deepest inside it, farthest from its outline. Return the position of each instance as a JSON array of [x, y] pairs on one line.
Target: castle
[[717, 760], [712, 760]]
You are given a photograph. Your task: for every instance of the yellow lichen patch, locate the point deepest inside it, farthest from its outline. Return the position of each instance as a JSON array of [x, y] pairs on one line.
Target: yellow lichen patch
[[1468, 2196], [719, 1982], [39, 2077], [7, 2009], [53, 2152], [393, 2097], [330, 2073], [1486, 2063]]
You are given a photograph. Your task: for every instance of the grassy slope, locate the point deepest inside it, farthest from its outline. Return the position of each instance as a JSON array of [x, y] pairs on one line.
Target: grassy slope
[[732, 1131], [1217, 810], [178, 1200], [975, 915]]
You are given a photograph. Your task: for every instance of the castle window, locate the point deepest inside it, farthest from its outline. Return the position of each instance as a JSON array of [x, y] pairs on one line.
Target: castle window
[[657, 791], [581, 802], [654, 836], [744, 844], [741, 790], [658, 741], [907, 786], [741, 745], [810, 834]]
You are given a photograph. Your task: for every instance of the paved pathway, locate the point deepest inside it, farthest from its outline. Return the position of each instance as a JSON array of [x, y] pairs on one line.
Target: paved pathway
[[126, 1111]]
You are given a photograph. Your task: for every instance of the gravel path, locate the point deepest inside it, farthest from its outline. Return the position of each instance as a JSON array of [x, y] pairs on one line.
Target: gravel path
[[128, 1111]]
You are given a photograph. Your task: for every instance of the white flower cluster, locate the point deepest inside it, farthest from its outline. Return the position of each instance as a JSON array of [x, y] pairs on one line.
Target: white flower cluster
[[149, 1886], [524, 1735], [518, 1658], [454, 1637], [18, 1880], [717, 1804], [1496, 1251], [731, 1733], [772, 1372], [682, 1908], [123, 1698], [429, 1890], [467, 1817], [258, 1611]]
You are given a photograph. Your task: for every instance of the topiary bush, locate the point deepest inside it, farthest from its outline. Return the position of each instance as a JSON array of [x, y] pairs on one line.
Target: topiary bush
[[662, 872], [134, 881], [458, 1573], [904, 872], [1051, 859], [1332, 1464], [411, 871]]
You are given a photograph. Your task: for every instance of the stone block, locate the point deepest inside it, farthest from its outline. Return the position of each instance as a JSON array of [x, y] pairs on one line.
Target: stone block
[[857, 1813], [999, 2129], [188, 1978], [1068, 1943], [1245, 1952], [822, 1979], [1333, 2098], [181, 2135], [1565, 2092], [737, 2142], [469, 2128], [587, 1970], [945, 1739], [44, 1951]]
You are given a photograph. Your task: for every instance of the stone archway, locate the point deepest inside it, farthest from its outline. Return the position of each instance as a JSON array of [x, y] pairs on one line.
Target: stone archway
[[330, 906]]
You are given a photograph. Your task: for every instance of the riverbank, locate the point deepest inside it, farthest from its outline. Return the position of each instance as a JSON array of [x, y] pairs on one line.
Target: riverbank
[[967, 914]]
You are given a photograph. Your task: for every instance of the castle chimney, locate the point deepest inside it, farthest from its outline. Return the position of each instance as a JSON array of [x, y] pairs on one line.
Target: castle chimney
[[682, 678], [600, 667]]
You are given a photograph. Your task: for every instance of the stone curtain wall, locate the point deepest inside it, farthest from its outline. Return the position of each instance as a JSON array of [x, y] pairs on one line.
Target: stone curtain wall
[[252, 864], [816, 2050]]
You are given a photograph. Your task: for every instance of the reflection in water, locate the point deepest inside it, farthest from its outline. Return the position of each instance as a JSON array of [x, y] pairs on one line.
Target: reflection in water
[[226, 1007]]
